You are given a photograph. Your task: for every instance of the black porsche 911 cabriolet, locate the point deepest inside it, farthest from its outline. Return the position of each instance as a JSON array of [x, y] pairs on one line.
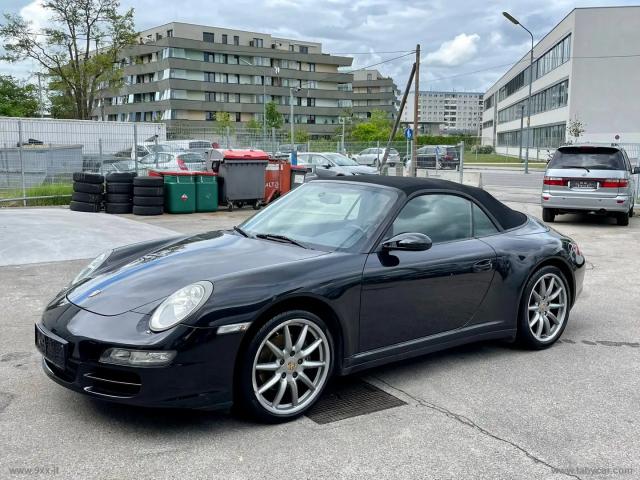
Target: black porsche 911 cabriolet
[[337, 276]]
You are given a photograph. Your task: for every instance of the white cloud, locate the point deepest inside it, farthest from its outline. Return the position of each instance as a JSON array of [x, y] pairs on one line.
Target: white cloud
[[454, 52], [36, 14]]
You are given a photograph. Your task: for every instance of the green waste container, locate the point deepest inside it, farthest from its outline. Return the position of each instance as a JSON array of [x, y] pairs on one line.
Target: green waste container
[[206, 192], [179, 192]]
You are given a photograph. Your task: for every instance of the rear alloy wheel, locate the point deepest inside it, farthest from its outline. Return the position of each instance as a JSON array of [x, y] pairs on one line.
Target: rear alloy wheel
[[545, 308], [623, 219], [287, 366], [548, 215]]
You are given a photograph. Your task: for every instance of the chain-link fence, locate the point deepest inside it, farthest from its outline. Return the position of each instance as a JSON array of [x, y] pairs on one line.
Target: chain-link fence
[[39, 156]]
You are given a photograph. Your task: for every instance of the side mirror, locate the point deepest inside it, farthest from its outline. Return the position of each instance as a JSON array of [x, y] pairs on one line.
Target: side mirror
[[408, 241], [635, 170], [328, 165]]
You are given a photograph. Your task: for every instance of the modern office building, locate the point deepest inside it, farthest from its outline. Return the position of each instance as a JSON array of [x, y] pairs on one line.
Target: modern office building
[[454, 112], [187, 73], [372, 91], [586, 68]]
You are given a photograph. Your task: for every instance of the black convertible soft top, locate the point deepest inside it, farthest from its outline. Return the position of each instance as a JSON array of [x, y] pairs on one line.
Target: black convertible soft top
[[505, 216]]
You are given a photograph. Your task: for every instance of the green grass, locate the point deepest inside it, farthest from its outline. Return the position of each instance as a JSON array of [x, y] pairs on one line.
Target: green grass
[[493, 158], [40, 191]]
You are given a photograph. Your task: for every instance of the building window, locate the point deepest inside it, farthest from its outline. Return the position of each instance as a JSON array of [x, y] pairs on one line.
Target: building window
[[236, 40], [210, 116], [369, 76], [312, 67], [238, 117], [292, 48], [550, 136], [257, 42], [550, 98], [158, 36], [224, 38], [303, 49], [207, 37], [169, 33]]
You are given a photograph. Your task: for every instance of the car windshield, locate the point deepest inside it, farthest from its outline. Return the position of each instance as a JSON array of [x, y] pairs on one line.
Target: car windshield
[[329, 215], [341, 160], [597, 158], [160, 148], [191, 157]]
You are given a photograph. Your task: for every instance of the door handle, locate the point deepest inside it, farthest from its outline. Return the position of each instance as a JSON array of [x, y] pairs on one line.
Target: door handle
[[483, 266]]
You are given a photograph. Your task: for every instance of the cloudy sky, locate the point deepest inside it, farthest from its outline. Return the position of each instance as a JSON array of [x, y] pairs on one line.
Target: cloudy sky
[[466, 44]]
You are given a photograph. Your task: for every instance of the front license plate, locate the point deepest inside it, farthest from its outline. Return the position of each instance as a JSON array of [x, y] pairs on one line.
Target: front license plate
[[52, 349], [583, 184]]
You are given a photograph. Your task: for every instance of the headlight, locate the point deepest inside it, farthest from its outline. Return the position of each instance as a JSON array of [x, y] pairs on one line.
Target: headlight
[[93, 266], [140, 358], [179, 305]]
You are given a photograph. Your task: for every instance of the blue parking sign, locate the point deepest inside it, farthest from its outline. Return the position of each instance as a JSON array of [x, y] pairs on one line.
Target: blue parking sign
[[408, 133]]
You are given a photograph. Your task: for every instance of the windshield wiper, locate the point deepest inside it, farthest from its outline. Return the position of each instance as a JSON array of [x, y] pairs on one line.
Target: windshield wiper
[[280, 238], [575, 166], [240, 231]]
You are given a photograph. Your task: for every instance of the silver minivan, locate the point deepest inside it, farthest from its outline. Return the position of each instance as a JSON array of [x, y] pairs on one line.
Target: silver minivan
[[589, 178]]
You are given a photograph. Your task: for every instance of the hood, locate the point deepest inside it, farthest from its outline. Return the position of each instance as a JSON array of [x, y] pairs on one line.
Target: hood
[[159, 272], [359, 169]]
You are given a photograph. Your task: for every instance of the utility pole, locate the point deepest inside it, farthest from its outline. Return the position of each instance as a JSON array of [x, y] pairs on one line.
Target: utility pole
[[40, 101], [414, 143]]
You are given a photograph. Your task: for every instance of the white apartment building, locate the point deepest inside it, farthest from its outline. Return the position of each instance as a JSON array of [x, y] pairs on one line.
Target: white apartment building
[[586, 68], [454, 112]]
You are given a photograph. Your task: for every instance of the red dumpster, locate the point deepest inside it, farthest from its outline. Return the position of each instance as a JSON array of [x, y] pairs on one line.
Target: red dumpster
[[280, 178]]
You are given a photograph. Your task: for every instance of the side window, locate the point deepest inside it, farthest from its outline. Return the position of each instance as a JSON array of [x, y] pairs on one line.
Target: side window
[[443, 218], [482, 224]]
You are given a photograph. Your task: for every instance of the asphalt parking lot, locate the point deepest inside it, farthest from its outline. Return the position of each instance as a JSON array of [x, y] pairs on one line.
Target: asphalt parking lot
[[480, 411]]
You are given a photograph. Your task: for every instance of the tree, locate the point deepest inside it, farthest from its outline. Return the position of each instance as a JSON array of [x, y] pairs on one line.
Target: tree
[[79, 48], [223, 122], [377, 127], [575, 128], [254, 126], [300, 135], [17, 99], [274, 117]]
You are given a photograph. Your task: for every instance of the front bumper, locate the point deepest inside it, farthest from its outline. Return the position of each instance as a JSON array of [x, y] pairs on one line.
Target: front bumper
[[566, 203], [200, 376]]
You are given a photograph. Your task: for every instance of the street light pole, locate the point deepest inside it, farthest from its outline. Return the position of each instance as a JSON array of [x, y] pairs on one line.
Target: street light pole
[[516, 22], [291, 115]]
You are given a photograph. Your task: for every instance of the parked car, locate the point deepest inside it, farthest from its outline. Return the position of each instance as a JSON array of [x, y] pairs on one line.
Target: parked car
[[329, 164], [371, 157], [195, 146], [192, 161], [335, 277], [589, 179], [284, 150], [119, 166], [449, 157], [144, 149]]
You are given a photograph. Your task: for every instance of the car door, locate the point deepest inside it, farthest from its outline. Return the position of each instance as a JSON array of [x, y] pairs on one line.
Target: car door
[[408, 295]]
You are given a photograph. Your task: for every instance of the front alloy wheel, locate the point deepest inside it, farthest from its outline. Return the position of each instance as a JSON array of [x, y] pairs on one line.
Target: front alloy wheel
[[545, 307], [291, 360]]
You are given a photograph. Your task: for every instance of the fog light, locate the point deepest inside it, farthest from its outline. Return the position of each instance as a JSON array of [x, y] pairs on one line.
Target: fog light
[[140, 358]]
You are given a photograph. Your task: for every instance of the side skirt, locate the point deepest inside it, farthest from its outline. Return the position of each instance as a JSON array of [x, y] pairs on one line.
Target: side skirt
[[423, 346]]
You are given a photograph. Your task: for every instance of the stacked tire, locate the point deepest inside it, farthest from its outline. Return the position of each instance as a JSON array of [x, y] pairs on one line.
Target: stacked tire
[[88, 191], [119, 198], [148, 196]]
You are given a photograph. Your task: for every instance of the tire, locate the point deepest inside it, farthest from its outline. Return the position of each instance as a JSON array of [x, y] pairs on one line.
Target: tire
[[548, 215], [118, 198], [148, 191], [117, 187], [525, 336], [121, 177], [148, 182], [148, 201], [84, 207], [85, 177], [87, 197], [623, 219], [257, 204], [291, 370], [118, 207], [230, 206], [88, 187], [145, 210]]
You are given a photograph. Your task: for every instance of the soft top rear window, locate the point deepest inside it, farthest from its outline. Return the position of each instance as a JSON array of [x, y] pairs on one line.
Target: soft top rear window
[[597, 158]]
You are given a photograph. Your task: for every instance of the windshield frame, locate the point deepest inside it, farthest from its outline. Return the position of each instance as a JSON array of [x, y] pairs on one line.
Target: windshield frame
[[365, 244]]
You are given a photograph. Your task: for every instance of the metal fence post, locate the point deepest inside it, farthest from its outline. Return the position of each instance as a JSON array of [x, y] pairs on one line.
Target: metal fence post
[[135, 145], [24, 187], [100, 154], [227, 135], [155, 149], [461, 161], [273, 140]]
